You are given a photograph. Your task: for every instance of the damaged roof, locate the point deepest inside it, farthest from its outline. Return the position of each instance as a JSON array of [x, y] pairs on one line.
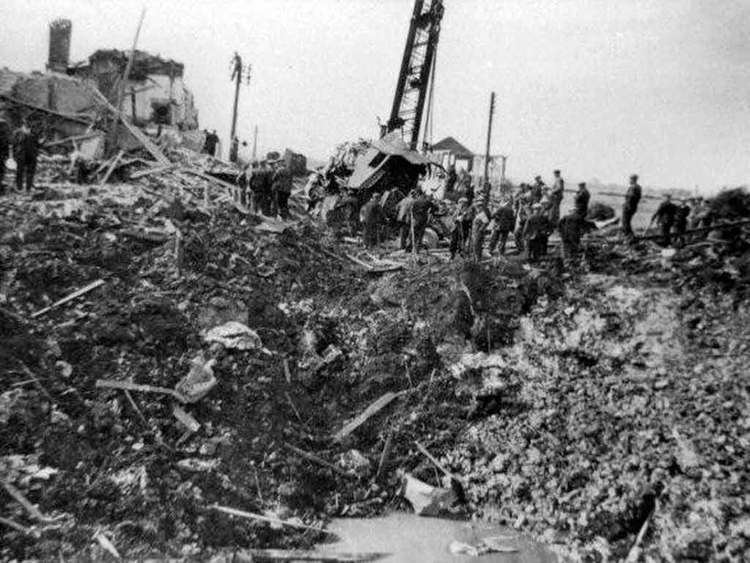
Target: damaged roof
[[452, 146]]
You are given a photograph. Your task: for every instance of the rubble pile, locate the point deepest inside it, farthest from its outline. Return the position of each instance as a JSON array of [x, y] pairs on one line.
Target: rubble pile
[[163, 347], [205, 358]]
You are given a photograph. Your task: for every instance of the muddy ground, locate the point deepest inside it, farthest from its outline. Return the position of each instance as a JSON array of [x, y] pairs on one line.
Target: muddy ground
[[581, 406]]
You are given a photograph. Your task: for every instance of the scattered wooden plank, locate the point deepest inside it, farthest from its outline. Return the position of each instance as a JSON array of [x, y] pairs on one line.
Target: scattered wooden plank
[[33, 511], [71, 139], [111, 168], [208, 177], [315, 459], [261, 518], [434, 460], [322, 556], [69, 117], [370, 411], [186, 418], [126, 385], [137, 133], [76, 294]]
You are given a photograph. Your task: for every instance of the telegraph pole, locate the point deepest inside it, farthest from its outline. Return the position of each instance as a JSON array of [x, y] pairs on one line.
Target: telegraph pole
[[487, 148], [255, 142], [237, 73]]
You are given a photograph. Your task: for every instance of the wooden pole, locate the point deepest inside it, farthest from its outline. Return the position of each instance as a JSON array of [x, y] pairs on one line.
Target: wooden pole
[[237, 76], [487, 148], [129, 66], [255, 142]]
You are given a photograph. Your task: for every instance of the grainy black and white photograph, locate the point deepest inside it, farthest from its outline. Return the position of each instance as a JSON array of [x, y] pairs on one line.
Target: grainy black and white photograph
[[442, 281]]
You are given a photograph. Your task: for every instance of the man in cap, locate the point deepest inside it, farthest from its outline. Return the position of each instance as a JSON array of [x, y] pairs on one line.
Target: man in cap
[[664, 216], [555, 198], [260, 185], [462, 219], [681, 222], [523, 210], [571, 228], [536, 232], [403, 216], [282, 188], [581, 201], [371, 216], [629, 208], [503, 221], [421, 210], [479, 228], [25, 152], [537, 190]]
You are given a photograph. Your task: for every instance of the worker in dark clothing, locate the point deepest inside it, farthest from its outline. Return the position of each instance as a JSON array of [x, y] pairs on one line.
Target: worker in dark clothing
[[536, 233], [681, 222], [371, 216], [479, 229], [349, 205], [420, 217], [537, 190], [461, 232], [210, 143], [581, 201], [403, 216], [282, 188], [629, 208], [664, 216], [25, 152], [450, 181], [260, 187], [571, 230], [503, 222], [523, 210], [555, 199], [5, 136], [243, 181]]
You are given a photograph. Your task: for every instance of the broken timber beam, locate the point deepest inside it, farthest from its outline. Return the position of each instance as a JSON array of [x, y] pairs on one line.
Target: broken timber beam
[[74, 295], [128, 386], [111, 168], [137, 133], [69, 117], [365, 415]]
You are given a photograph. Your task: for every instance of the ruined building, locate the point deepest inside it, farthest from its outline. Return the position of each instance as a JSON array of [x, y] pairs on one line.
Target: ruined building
[[154, 92]]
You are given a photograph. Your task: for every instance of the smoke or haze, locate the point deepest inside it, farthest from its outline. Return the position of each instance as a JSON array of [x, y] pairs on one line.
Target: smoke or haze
[[595, 87]]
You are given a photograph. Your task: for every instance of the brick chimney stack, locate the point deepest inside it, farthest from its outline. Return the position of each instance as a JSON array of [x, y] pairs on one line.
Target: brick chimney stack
[[59, 45]]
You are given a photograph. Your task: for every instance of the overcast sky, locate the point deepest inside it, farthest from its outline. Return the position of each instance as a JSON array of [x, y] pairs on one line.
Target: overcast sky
[[598, 88]]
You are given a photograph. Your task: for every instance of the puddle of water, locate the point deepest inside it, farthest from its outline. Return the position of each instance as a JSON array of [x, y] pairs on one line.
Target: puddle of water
[[409, 538]]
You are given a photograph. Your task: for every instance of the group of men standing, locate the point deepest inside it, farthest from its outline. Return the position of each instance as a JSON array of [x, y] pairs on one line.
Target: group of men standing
[[531, 215], [413, 214], [266, 187], [25, 144]]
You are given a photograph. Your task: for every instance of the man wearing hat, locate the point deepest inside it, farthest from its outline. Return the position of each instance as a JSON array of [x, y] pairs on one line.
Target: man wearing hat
[[537, 190], [536, 232], [665, 217], [282, 188], [555, 198], [632, 197], [462, 219], [503, 221], [260, 186], [581, 201], [371, 216], [479, 228], [403, 217]]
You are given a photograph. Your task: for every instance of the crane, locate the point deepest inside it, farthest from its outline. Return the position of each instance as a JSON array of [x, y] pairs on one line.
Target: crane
[[417, 68]]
